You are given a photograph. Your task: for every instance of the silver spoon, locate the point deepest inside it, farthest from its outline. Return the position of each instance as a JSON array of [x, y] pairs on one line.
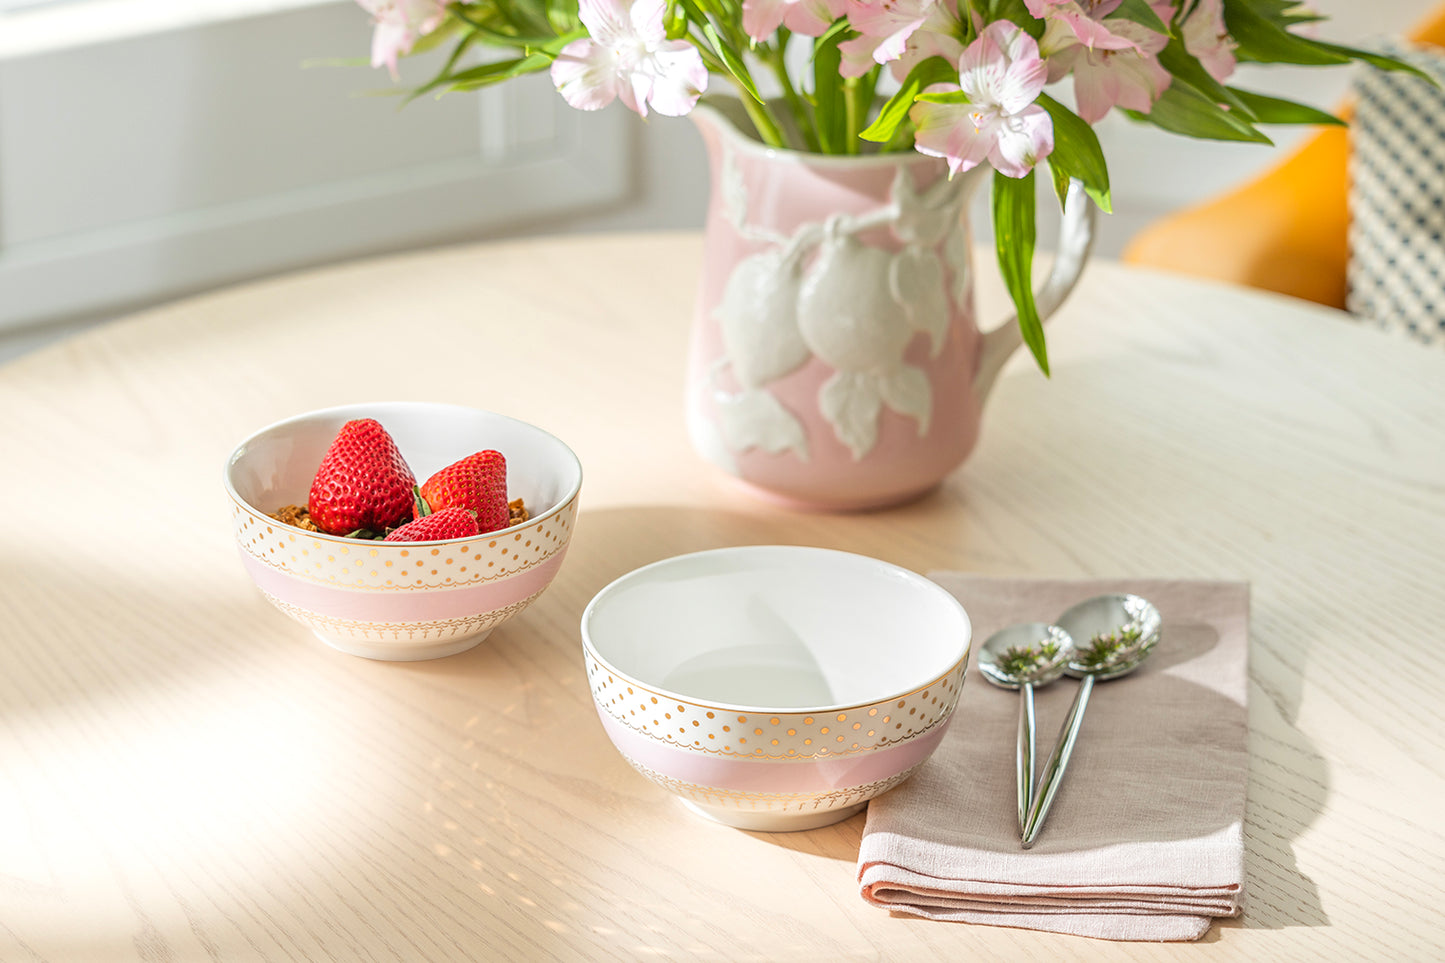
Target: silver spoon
[[1115, 633], [1025, 657]]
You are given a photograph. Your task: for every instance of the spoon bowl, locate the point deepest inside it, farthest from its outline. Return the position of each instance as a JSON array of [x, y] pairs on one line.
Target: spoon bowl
[[1023, 657], [1035, 653], [1114, 634]]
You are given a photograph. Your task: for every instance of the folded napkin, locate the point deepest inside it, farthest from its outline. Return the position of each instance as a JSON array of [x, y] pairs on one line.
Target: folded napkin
[[1145, 837]]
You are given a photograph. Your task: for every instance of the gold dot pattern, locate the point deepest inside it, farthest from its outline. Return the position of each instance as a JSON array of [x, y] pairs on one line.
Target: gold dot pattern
[[781, 736], [452, 565]]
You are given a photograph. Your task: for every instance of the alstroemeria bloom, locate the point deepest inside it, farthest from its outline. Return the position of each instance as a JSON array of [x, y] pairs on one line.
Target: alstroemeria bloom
[[940, 36], [811, 18], [1085, 21], [1002, 74], [884, 27], [1206, 37], [1104, 79], [399, 25], [628, 56]]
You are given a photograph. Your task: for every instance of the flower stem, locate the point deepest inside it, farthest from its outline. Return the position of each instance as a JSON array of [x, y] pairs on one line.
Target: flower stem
[[778, 61], [763, 120]]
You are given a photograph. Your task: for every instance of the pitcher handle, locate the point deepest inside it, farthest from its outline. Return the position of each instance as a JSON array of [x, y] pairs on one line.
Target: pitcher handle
[[1076, 239]]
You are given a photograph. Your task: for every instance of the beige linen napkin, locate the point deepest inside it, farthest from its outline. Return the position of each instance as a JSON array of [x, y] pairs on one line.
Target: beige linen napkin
[[1144, 841]]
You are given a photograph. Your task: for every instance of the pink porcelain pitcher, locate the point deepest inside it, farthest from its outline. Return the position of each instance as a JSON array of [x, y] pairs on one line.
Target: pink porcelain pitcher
[[836, 362]]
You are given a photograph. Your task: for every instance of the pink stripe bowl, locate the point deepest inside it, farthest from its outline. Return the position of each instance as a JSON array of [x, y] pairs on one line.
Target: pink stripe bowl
[[402, 601], [772, 687]]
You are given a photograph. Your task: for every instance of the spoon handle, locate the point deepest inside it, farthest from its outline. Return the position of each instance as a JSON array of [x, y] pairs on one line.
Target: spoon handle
[[1025, 754], [1058, 762]]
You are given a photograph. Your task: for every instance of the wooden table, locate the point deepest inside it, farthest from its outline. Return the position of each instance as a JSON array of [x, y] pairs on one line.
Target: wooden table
[[185, 774]]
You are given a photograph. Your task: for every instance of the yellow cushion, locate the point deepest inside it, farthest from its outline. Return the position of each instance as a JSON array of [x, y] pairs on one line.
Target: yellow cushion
[[1284, 231]]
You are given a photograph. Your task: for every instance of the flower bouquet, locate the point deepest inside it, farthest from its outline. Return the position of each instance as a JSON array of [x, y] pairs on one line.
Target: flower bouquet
[[963, 80]]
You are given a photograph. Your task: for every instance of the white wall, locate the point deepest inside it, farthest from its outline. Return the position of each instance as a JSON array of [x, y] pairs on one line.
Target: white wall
[[156, 158]]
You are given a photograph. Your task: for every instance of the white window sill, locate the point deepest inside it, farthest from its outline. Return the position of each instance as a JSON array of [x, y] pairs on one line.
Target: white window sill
[[30, 31]]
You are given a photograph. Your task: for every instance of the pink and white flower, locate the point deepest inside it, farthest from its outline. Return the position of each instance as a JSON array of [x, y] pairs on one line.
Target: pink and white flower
[[399, 25], [1002, 75], [629, 57], [1129, 77], [940, 36], [884, 27], [1085, 21], [811, 18], [1206, 37]]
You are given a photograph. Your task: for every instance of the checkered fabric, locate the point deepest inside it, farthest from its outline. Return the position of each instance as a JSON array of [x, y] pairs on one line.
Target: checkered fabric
[[1397, 199]]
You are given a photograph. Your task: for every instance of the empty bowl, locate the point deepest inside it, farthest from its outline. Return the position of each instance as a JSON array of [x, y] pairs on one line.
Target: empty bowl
[[775, 687], [402, 601]]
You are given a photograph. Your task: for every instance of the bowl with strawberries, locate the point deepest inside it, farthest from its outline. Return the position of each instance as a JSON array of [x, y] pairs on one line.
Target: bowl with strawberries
[[402, 530]]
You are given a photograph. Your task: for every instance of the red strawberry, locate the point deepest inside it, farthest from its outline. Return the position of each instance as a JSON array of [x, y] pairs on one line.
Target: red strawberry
[[363, 482], [447, 523], [479, 483]]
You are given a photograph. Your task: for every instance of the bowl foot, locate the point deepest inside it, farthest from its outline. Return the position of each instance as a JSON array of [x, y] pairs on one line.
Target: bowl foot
[[404, 651], [774, 822]]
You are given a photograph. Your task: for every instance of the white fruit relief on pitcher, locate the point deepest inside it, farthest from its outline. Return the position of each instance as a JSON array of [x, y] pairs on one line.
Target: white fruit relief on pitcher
[[824, 293]]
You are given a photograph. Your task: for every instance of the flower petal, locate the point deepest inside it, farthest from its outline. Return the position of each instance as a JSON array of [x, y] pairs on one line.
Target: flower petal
[[762, 17], [585, 76], [1206, 37], [956, 132], [1002, 67], [892, 22], [605, 20], [1022, 141], [857, 55], [388, 42], [812, 18], [679, 78], [646, 18], [634, 88]]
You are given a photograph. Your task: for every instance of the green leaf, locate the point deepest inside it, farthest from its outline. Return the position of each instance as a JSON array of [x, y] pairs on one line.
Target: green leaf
[[419, 505], [676, 20], [444, 75], [1013, 231], [528, 16], [830, 112], [1184, 110], [1262, 31], [1141, 13], [502, 70], [840, 26], [1273, 110], [1286, 12], [732, 62], [1379, 61], [1186, 67], [934, 70], [1265, 39], [1076, 154]]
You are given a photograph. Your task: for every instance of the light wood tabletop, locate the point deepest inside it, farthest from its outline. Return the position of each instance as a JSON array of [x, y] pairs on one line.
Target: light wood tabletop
[[186, 774]]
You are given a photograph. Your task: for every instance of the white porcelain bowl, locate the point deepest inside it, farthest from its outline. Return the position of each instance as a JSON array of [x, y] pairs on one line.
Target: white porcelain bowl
[[775, 687], [395, 600]]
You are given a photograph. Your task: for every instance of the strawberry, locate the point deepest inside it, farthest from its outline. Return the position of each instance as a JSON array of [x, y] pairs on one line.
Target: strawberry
[[447, 523], [478, 483], [363, 482]]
